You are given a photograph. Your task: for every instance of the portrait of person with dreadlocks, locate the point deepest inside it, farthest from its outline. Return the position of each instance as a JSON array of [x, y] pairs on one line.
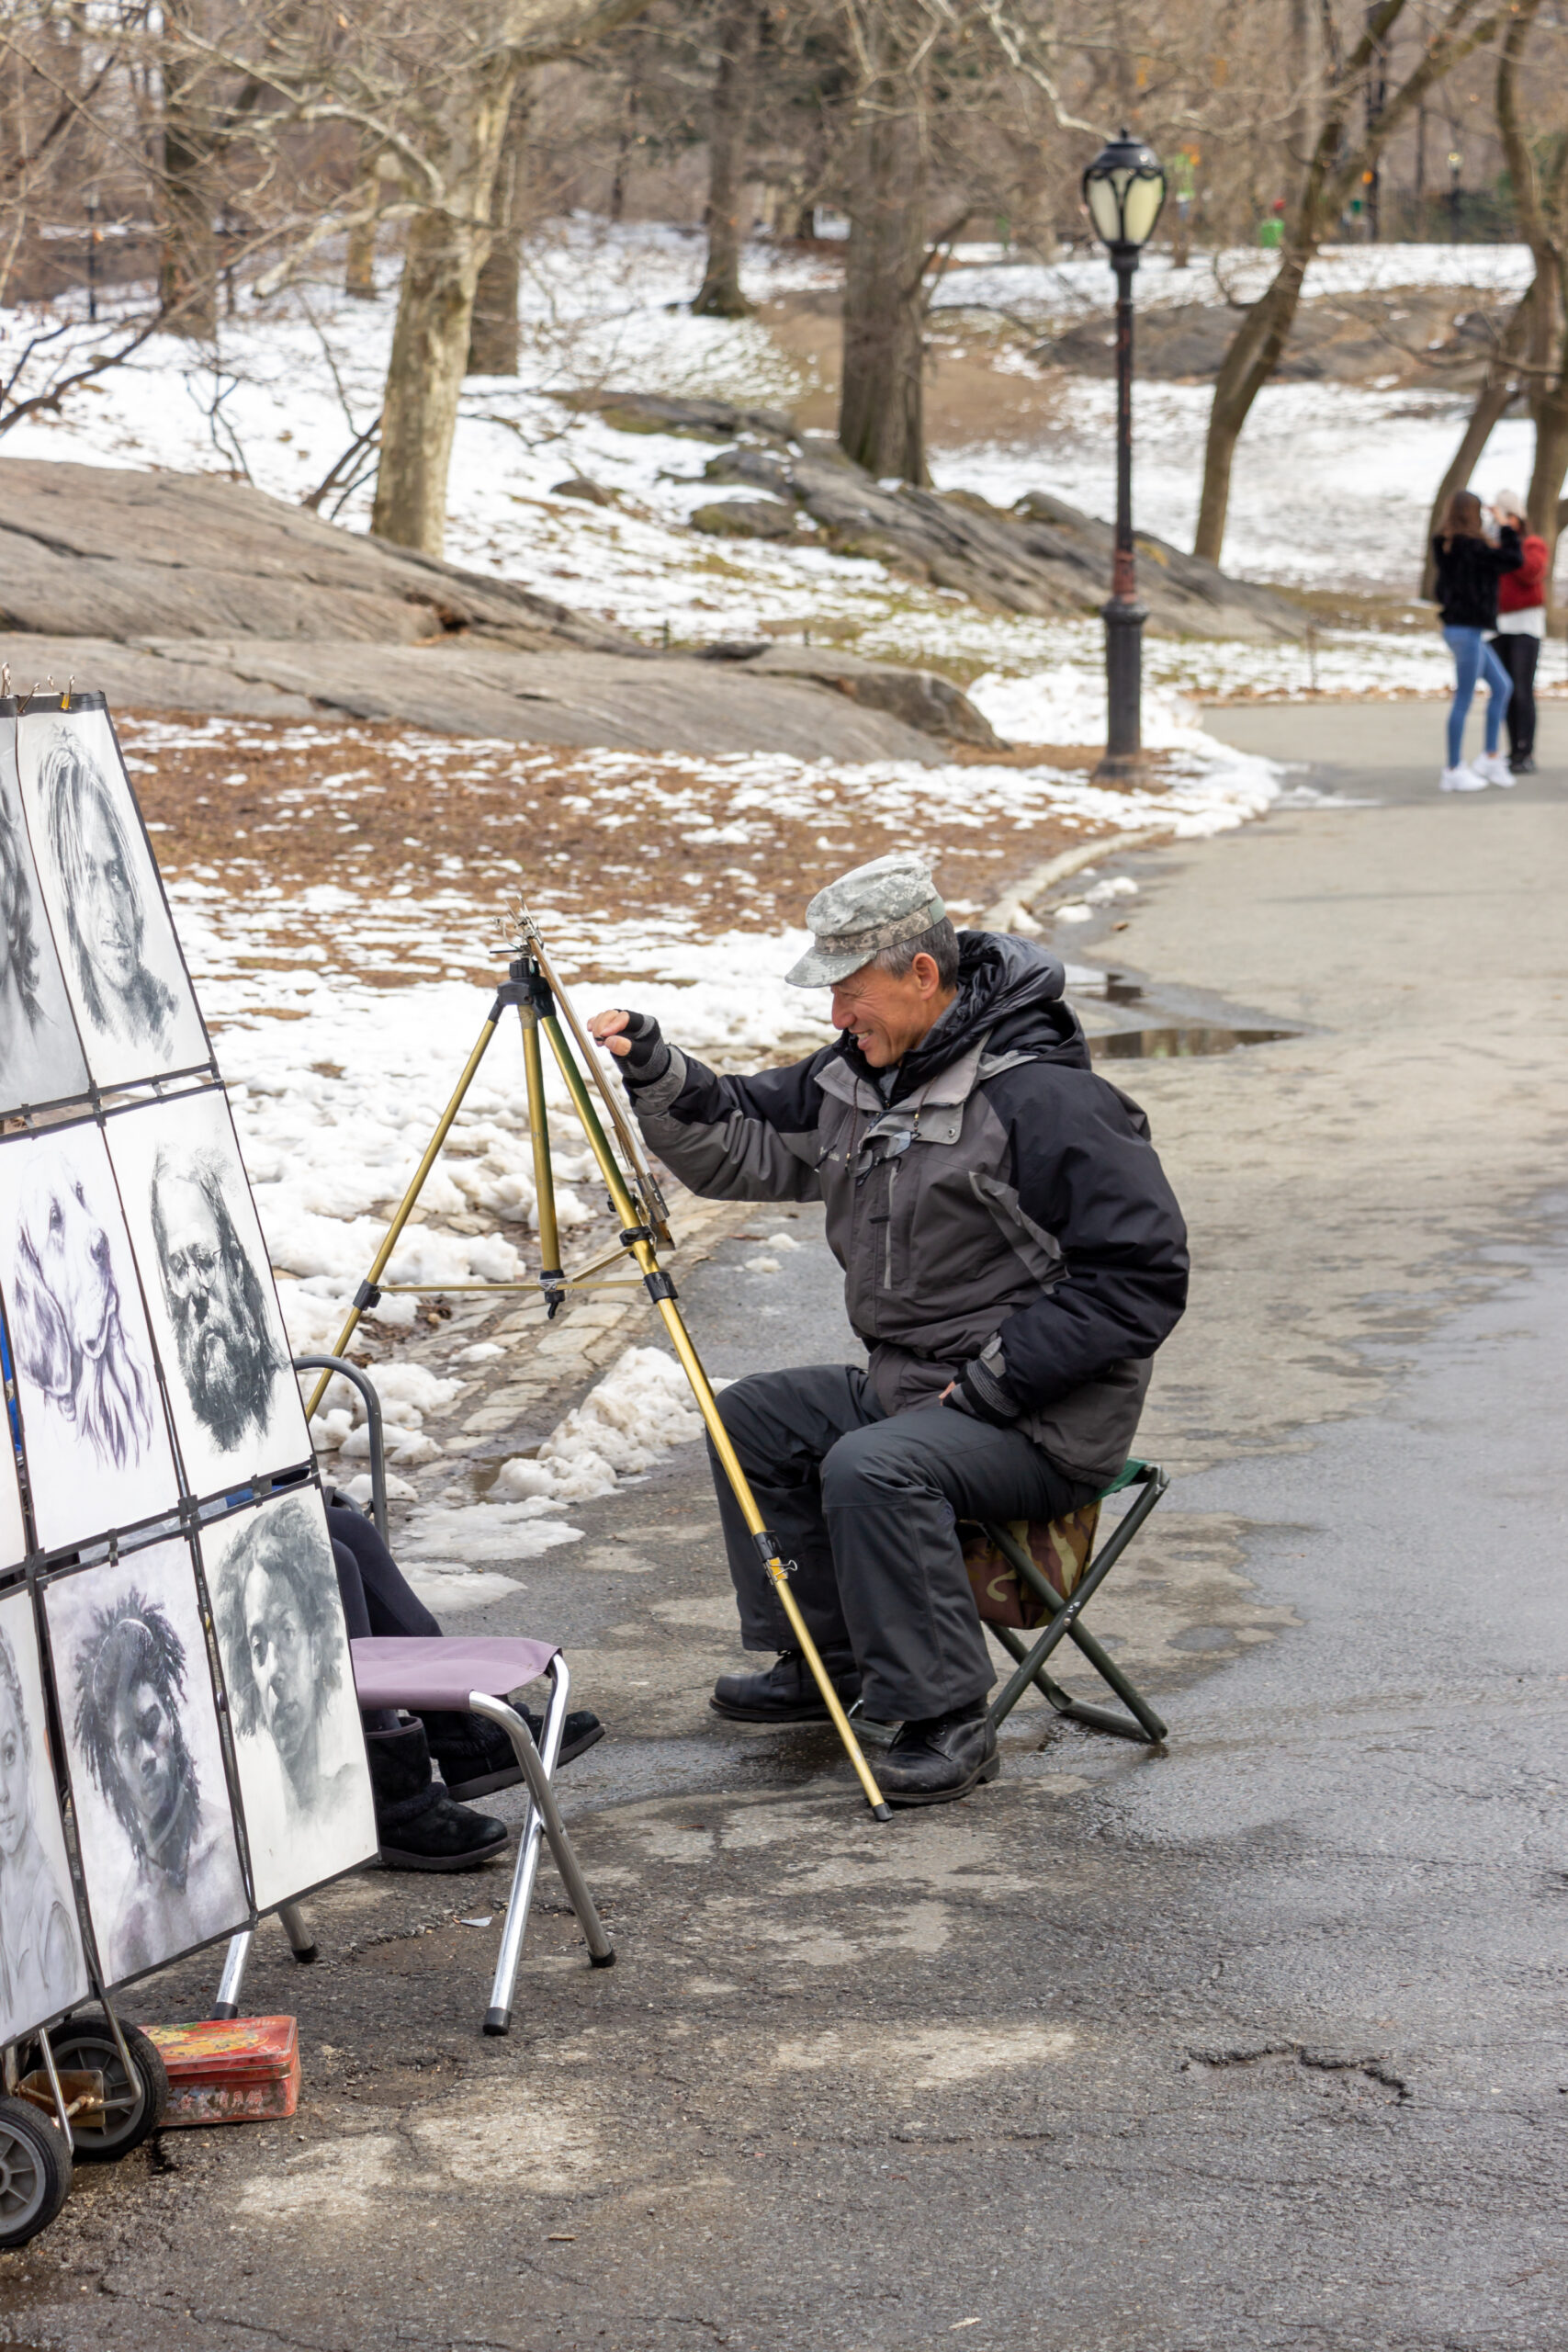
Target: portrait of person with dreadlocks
[[158, 1846]]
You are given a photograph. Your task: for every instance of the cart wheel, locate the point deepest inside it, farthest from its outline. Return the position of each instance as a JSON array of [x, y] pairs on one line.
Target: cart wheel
[[133, 2105], [35, 2172]]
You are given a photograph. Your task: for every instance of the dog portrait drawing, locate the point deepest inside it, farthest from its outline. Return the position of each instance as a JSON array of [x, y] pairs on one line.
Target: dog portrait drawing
[[101, 896], [217, 1302], [68, 1326], [130, 1680]]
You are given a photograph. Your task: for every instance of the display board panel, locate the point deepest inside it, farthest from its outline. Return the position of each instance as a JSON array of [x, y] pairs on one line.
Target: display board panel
[[234, 1400], [160, 1857], [298, 1744], [94, 1434], [41, 1054], [43, 1968], [135, 1010]]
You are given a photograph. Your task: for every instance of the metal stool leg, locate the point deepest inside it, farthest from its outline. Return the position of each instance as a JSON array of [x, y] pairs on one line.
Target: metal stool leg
[[542, 1816]]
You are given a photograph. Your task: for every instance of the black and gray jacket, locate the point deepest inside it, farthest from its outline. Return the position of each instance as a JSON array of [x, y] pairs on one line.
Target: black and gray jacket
[[1001, 1214]]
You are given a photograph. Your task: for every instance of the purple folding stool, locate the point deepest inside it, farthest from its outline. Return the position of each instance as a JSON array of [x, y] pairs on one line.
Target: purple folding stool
[[471, 1675]]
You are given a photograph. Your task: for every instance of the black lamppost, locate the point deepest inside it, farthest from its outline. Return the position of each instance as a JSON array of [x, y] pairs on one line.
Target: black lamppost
[[1124, 190]]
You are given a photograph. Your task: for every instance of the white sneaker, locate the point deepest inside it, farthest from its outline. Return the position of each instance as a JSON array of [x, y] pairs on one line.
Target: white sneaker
[[1461, 779], [1493, 768]]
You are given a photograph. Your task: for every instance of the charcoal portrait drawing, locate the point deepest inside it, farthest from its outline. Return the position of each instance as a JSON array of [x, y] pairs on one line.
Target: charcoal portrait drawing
[[42, 1970], [41, 1055], [215, 1316], [217, 1304], [96, 1446], [132, 998], [285, 1661], [158, 1850]]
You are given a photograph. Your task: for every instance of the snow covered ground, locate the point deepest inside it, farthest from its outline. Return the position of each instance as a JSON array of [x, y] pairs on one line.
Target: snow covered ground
[[1331, 482]]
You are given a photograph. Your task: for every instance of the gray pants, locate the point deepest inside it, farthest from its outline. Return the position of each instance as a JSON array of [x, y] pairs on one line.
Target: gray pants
[[865, 1504]]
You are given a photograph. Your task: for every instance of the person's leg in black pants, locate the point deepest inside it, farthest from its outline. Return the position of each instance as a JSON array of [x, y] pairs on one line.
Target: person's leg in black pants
[[1518, 655], [390, 1604]]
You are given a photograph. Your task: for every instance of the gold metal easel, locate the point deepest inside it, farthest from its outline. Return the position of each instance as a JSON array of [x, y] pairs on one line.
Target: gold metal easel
[[531, 985]]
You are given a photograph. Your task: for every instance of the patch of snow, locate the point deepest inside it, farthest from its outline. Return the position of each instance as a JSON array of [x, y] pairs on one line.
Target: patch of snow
[[626, 1423]]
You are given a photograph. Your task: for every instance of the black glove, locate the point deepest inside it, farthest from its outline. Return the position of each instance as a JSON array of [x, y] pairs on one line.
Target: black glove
[[650, 1056], [980, 1392]]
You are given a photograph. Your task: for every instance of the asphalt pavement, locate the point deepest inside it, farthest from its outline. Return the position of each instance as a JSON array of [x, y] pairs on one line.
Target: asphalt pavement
[[1254, 2043]]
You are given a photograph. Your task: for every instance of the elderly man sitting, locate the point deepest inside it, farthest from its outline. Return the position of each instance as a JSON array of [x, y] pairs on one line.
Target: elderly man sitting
[[1012, 1256]]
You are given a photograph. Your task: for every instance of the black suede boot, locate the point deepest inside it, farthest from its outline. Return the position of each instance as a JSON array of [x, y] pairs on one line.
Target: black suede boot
[[418, 1825], [944, 1757], [786, 1693], [476, 1757]]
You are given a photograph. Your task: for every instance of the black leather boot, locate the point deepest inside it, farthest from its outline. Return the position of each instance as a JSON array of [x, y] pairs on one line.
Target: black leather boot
[[934, 1761], [786, 1693], [476, 1757], [418, 1825]]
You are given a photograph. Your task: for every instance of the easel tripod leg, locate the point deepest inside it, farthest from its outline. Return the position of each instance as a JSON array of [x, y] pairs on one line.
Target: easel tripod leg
[[661, 1291]]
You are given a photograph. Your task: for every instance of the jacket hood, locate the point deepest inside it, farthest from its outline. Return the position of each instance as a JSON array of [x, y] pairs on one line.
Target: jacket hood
[[1005, 985]]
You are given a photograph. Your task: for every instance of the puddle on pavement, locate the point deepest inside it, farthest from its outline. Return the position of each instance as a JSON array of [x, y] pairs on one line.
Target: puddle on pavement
[[1177, 1042]]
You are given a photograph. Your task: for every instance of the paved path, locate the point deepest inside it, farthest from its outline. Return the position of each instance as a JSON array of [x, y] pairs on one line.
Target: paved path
[[1257, 2043]]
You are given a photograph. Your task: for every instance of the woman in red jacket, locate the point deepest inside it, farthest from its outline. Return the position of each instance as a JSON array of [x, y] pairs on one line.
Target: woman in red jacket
[[1521, 625]]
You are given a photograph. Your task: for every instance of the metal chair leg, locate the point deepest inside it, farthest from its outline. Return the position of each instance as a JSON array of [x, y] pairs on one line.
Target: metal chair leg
[[232, 1981], [300, 1932], [543, 1819]]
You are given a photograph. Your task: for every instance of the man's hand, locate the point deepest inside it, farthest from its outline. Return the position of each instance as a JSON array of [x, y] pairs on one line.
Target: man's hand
[[636, 1039], [610, 1029]]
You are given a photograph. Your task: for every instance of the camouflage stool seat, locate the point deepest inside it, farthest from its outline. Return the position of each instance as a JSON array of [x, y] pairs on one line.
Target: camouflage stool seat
[[1037, 1576]]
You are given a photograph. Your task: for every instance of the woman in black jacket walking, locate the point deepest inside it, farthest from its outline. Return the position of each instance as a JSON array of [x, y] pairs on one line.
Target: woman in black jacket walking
[[1468, 569]]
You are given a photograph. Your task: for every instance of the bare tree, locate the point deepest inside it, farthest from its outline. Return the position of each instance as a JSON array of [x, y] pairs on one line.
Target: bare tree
[[881, 399], [1334, 170], [493, 334], [739, 29]]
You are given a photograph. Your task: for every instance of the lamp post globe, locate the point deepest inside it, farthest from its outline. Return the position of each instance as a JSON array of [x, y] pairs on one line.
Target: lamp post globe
[[1123, 191]]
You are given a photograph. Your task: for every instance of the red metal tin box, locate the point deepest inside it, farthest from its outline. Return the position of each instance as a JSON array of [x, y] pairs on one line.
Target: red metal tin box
[[240, 2070]]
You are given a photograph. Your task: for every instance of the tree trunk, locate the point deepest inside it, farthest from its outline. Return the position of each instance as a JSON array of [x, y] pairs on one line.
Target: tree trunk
[[1487, 413], [1549, 468], [1301, 51], [1248, 364], [719, 296], [359, 269], [430, 343], [494, 336], [880, 402], [187, 257]]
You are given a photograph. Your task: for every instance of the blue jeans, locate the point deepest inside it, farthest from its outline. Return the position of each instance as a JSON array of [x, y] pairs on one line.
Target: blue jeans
[[1474, 659]]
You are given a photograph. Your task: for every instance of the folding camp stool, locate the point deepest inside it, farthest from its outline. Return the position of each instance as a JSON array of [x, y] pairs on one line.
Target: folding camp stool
[[1064, 1622], [472, 1675]]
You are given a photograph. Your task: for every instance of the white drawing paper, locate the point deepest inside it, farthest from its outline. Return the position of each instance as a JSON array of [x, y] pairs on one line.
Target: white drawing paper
[[234, 1400], [299, 1746], [41, 1054], [43, 1966], [159, 1854], [94, 1435], [127, 986]]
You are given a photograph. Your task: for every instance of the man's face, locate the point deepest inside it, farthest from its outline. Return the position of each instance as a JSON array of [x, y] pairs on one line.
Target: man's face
[[145, 1753], [204, 1305], [887, 1018], [15, 1798], [106, 912], [282, 1660]]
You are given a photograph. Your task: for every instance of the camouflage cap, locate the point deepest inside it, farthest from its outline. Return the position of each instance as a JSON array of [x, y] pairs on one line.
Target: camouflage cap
[[853, 919]]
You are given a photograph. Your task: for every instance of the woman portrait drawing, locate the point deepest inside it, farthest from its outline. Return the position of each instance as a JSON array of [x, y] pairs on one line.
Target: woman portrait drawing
[[41, 1966], [286, 1660], [40, 1057]]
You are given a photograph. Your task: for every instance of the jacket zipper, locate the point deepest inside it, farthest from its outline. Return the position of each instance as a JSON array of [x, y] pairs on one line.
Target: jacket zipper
[[887, 1244]]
